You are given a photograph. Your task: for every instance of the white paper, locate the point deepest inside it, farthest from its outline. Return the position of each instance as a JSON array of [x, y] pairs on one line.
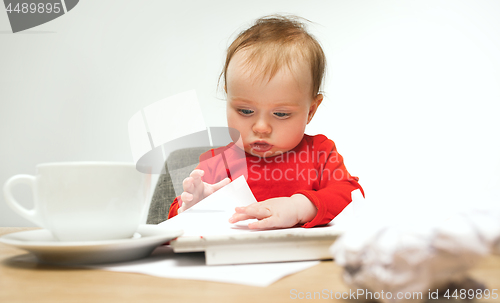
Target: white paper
[[164, 263], [411, 255], [210, 216]]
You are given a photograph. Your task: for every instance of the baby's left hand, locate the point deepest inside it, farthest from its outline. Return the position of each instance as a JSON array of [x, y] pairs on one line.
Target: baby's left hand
[[279, 212]]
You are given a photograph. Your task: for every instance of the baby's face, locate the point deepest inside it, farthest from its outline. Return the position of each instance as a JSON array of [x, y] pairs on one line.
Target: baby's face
[[271, 116]]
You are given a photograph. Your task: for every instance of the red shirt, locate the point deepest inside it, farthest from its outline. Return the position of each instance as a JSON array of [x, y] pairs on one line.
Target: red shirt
[[313, 168]]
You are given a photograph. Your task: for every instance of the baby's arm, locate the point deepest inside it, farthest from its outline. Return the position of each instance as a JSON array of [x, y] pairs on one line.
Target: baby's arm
[[196, 190], [329, 195], [279, 212]]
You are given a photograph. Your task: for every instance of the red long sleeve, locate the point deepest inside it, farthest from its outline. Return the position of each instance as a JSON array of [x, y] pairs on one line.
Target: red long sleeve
[[331, 191], [174, 207]]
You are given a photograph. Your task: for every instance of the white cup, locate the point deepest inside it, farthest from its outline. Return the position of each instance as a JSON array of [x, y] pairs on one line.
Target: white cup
[[85, 201]]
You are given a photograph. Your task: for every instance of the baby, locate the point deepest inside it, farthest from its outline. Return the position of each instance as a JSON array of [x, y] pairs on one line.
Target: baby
[[272, 79]]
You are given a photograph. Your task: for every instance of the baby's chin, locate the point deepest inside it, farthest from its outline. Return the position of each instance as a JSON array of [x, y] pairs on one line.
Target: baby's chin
[[267, 154]]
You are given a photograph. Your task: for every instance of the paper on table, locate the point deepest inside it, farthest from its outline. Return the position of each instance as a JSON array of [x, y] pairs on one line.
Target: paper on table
[[405, 255], [210, 216], [167, 264]]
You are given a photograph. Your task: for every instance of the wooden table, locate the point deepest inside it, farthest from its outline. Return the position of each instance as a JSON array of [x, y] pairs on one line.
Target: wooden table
[[24, 280]]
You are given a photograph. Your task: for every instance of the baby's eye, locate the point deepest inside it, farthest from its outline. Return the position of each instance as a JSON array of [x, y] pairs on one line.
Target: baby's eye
[[282, 115], [245, 112]]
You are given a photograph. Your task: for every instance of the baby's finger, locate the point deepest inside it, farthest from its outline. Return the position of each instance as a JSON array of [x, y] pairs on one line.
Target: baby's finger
[[197, 173], [240, 210], [187, 184], [221, 184], [187, 197], [266, 223], [239, 217], [197, 182], [257, 210]]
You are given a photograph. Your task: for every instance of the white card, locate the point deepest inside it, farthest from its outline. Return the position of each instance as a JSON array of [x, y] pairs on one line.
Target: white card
[[210, 216]]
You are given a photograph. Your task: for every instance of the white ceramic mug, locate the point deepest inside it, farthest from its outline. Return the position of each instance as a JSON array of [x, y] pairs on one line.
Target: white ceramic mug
[[84, 201]]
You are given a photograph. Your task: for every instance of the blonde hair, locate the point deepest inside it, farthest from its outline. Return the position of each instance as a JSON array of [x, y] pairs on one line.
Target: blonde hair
[[277, 41]]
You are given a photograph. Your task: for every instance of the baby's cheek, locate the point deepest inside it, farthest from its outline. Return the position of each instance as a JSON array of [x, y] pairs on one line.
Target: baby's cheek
[[240, 128], [293, 136]]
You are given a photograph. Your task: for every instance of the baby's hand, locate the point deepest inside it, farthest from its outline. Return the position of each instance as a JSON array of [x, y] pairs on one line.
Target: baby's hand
[[279, 212], [196, 190]]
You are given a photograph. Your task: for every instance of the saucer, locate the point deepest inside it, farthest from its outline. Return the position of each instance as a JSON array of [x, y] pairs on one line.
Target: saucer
[[49, 250]]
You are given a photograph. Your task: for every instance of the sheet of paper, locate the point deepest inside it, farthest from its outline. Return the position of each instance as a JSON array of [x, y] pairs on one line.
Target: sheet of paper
[[167, 264], [210, 216]]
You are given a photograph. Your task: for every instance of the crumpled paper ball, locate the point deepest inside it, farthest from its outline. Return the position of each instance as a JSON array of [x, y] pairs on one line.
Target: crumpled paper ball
[[411, 256]]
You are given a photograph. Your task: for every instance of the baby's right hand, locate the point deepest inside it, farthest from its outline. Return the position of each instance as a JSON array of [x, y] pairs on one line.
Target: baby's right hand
[[196, 190]]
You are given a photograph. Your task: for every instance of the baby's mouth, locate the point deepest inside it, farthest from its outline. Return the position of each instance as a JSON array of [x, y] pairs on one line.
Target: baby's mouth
[[261, 146]]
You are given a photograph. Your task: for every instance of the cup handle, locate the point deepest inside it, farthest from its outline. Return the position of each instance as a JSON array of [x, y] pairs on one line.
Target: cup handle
[[30, 214]]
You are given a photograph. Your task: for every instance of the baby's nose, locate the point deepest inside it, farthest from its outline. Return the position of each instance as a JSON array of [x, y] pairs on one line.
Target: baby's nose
[[262, 126]]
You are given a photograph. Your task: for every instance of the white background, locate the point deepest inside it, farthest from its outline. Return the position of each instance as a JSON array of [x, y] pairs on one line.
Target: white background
[[412, 91]]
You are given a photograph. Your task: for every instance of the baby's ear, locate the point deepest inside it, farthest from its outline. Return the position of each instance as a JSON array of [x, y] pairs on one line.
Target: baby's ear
[[314, 106]]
